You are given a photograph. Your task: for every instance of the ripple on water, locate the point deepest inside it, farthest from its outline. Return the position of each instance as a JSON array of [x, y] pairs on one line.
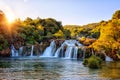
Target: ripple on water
[[55, 69]]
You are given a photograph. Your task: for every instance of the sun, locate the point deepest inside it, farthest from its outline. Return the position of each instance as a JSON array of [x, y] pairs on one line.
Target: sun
[[10, 17], [9, 13]]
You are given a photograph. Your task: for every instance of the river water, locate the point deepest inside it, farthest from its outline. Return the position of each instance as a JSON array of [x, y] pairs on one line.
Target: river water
[[55, 69]]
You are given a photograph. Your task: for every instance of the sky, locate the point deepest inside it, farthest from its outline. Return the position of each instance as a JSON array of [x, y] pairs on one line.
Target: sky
[[70, 12]]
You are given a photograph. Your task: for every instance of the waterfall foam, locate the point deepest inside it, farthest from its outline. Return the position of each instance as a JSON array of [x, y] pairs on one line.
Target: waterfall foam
[[68, 49], [14, 52], [31, 53], [20, 50], [71, 51], [107, 58], [75, 52], [50, 50]]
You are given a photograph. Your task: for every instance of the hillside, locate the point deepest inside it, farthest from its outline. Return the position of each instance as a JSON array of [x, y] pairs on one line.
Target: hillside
[[109, 40], [107, 34]]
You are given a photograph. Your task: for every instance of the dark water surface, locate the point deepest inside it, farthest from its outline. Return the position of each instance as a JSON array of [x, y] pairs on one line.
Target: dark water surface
[[55, 69]]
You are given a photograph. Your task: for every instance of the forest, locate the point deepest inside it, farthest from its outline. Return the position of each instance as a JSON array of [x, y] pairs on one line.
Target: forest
[[103, 36]]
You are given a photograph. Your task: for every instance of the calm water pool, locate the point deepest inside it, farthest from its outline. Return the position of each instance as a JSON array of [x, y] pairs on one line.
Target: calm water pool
[[55, 69]]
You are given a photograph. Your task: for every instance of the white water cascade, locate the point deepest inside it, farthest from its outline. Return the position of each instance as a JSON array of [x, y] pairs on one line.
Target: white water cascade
[[68, 50], [107, 58], [71, 49], [31, 53], [50, 50], [20, 50], [14, 52], [75, 52]]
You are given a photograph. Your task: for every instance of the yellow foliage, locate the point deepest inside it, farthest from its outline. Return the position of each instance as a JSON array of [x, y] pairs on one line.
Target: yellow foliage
[[59, 34], [118, 56], [40, 27]]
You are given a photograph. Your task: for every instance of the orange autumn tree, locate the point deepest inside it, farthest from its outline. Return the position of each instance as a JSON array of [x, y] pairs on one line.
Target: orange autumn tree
[[109, 39]]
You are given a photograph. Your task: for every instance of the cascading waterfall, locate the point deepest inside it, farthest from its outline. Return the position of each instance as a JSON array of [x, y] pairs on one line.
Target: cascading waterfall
[[68, 50], [84, 52], [31, 53], [75, 52], [71, 49], [107, 58], [17, 53], [14, 52], [20, 50], [58, 51], [50, 50], [68, 53]]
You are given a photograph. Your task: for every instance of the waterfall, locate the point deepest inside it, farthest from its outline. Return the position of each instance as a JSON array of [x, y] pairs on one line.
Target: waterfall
[[20, 50], [71, 52], [68, 53], [107, 58], [84, 51], [58, 51], [75, 52], [31, 53], [14, 52], [50, 50], [68, 50], [71, 49]]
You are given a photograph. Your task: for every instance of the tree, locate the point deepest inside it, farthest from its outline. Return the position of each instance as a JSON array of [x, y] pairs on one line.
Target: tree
[[116, 15]]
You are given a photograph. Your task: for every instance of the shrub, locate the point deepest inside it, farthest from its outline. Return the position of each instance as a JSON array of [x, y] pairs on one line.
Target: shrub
[[93, 62], [85, 62]]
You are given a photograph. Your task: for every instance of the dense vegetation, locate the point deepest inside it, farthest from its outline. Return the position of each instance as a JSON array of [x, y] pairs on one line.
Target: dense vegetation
[[106, 34], [90, 30], [29, 31], [33, 31]]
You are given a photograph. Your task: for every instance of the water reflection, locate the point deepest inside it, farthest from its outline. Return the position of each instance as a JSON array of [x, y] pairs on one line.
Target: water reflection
[[55, 69], [111, 70]]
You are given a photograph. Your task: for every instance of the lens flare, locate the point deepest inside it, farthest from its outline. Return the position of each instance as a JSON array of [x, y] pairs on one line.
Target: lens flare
[[10, 17], [8, 12]]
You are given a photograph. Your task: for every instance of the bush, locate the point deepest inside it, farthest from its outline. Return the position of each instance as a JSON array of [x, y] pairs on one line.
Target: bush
[[85, 62], [93, 62]]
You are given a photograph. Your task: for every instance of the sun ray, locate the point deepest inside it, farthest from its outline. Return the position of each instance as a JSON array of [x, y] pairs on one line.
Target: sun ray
[[10, 17], [8, 12]]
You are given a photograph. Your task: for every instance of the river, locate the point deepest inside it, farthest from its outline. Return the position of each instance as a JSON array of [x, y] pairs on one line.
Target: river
[[55, 69]]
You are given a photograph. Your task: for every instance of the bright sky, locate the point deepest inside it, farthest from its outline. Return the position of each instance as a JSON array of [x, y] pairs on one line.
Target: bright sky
[[75, 12]]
